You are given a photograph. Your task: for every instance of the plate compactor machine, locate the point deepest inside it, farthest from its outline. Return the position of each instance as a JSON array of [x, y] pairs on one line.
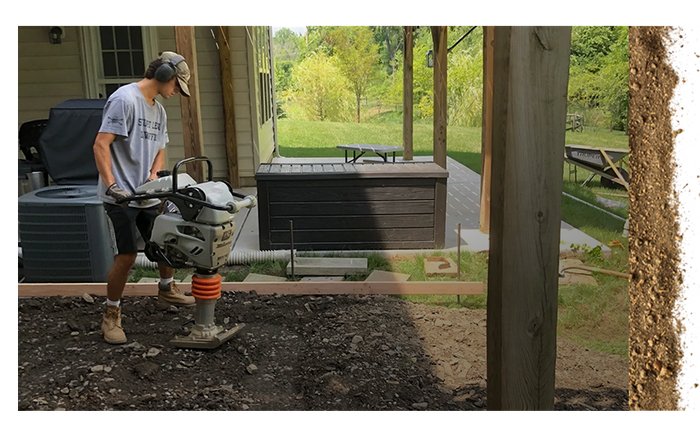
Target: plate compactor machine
[[194, 230]]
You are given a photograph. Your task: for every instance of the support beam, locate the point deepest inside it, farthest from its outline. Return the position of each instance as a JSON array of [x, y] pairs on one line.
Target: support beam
[[222, 41], [486, 131], [440, 95], [531, 69], [408, 93], [271, 288], [189, 106]]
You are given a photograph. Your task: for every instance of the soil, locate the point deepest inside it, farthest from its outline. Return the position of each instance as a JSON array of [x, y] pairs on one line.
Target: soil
[[654, 231], [294, 353]]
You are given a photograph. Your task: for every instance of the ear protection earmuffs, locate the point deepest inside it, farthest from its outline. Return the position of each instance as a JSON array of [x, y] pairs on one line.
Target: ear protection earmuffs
[[166, 72]]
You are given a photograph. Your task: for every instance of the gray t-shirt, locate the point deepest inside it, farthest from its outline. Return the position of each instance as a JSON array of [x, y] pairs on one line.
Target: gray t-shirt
[[141, 131]]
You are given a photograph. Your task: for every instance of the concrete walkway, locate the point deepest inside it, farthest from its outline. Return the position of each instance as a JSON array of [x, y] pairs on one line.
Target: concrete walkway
[[463, 194]]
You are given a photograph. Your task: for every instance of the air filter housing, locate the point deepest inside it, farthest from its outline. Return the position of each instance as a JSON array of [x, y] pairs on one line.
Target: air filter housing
[[65, 235]]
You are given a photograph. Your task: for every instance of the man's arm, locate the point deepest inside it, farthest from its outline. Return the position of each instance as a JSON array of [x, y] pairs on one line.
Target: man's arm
[[158, 162], [103, 159]]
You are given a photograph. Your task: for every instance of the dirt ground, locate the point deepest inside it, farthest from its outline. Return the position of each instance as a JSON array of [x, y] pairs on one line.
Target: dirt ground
[[294, 353], [655, 353]]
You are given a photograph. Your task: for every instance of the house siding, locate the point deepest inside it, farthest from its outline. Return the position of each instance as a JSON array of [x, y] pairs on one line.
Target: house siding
[[40, 90]]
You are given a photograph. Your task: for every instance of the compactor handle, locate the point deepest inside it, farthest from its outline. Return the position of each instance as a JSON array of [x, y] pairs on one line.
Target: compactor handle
[[235, 206], [190, 160]]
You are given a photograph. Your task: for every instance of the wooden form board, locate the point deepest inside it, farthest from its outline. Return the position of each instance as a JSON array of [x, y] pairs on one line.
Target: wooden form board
[[269, 288]]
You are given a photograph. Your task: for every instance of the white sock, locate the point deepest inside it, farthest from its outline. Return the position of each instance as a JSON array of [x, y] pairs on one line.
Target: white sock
[[165, 281], [113, 303]]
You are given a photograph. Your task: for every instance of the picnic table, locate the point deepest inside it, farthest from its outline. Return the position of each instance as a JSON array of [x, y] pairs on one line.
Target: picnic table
[[381, 150]]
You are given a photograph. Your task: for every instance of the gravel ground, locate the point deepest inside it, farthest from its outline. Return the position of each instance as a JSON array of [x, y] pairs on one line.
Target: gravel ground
[[294, 353]]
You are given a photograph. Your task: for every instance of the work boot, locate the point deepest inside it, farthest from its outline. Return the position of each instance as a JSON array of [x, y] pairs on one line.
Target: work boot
[[112, 325], [171, 295]]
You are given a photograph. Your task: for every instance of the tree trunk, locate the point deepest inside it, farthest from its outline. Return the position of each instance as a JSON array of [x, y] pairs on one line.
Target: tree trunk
[[392, 53], [358, 107]]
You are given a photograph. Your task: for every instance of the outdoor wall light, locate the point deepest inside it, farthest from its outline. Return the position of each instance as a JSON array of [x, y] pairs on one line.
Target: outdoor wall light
[[55, 34], [429, 59]]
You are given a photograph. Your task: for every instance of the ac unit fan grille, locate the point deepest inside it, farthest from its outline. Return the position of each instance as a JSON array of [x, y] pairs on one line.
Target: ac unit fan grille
[[65, 212], [50, 275], [40, 246]]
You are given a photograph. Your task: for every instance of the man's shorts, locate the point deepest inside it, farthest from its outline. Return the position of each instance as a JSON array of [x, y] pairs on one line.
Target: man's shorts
[[125, 221]]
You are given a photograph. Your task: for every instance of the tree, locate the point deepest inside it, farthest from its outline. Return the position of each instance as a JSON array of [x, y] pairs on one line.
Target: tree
[[598, 75], [321, 88], [614, 79], [286, 45], [357, 56], [464, 89], [390, 40]]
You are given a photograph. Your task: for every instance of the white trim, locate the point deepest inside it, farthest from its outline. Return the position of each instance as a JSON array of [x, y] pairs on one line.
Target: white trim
[[92, 64]]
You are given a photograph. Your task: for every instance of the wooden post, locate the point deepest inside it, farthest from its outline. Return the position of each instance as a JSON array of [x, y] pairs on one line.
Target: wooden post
[[440, 95], [189, 106], [486, 132], [408, 93], [531, 68], [229, 113]]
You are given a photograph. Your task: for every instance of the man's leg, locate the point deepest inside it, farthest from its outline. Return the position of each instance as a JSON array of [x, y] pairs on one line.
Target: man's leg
[[125, 233], [168, 292], [118, 275], [166, 272]]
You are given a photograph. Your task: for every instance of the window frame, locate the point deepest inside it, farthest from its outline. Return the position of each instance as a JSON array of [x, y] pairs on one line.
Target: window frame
[[93, 79]]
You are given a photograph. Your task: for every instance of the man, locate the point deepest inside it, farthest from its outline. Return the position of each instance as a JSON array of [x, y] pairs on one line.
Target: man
[[130, 150]]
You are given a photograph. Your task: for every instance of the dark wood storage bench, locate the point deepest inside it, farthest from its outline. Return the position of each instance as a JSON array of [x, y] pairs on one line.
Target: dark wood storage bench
[[352, 206]]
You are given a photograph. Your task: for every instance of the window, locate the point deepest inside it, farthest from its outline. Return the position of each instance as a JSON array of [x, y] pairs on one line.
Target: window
[[121, 49], [265, 75], [114, 56]]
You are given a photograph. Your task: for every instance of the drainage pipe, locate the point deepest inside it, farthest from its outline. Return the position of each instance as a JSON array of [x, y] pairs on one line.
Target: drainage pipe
[[234, 258]]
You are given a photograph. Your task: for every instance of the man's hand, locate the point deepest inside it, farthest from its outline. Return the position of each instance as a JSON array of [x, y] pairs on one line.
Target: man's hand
[[118, 193]]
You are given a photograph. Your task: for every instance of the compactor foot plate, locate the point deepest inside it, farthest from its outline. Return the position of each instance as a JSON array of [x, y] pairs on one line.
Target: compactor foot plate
[[200, 342]]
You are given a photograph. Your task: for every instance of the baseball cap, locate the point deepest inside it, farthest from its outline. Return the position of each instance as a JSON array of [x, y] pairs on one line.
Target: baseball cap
[[182, 70]]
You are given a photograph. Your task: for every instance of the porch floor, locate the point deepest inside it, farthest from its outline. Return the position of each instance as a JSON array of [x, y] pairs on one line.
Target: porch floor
[[463, 194]]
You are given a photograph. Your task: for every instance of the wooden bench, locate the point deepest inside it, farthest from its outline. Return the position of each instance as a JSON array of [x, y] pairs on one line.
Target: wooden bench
[[352, 206]]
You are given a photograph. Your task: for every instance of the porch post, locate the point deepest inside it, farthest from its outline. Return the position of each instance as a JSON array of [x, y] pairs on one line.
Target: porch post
[[189, 106], [531, 70]]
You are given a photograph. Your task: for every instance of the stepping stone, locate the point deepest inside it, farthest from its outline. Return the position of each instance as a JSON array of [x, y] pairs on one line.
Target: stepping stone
[[387, 276], [321, 266], [260, 278], [439, 266], [321, 278]]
